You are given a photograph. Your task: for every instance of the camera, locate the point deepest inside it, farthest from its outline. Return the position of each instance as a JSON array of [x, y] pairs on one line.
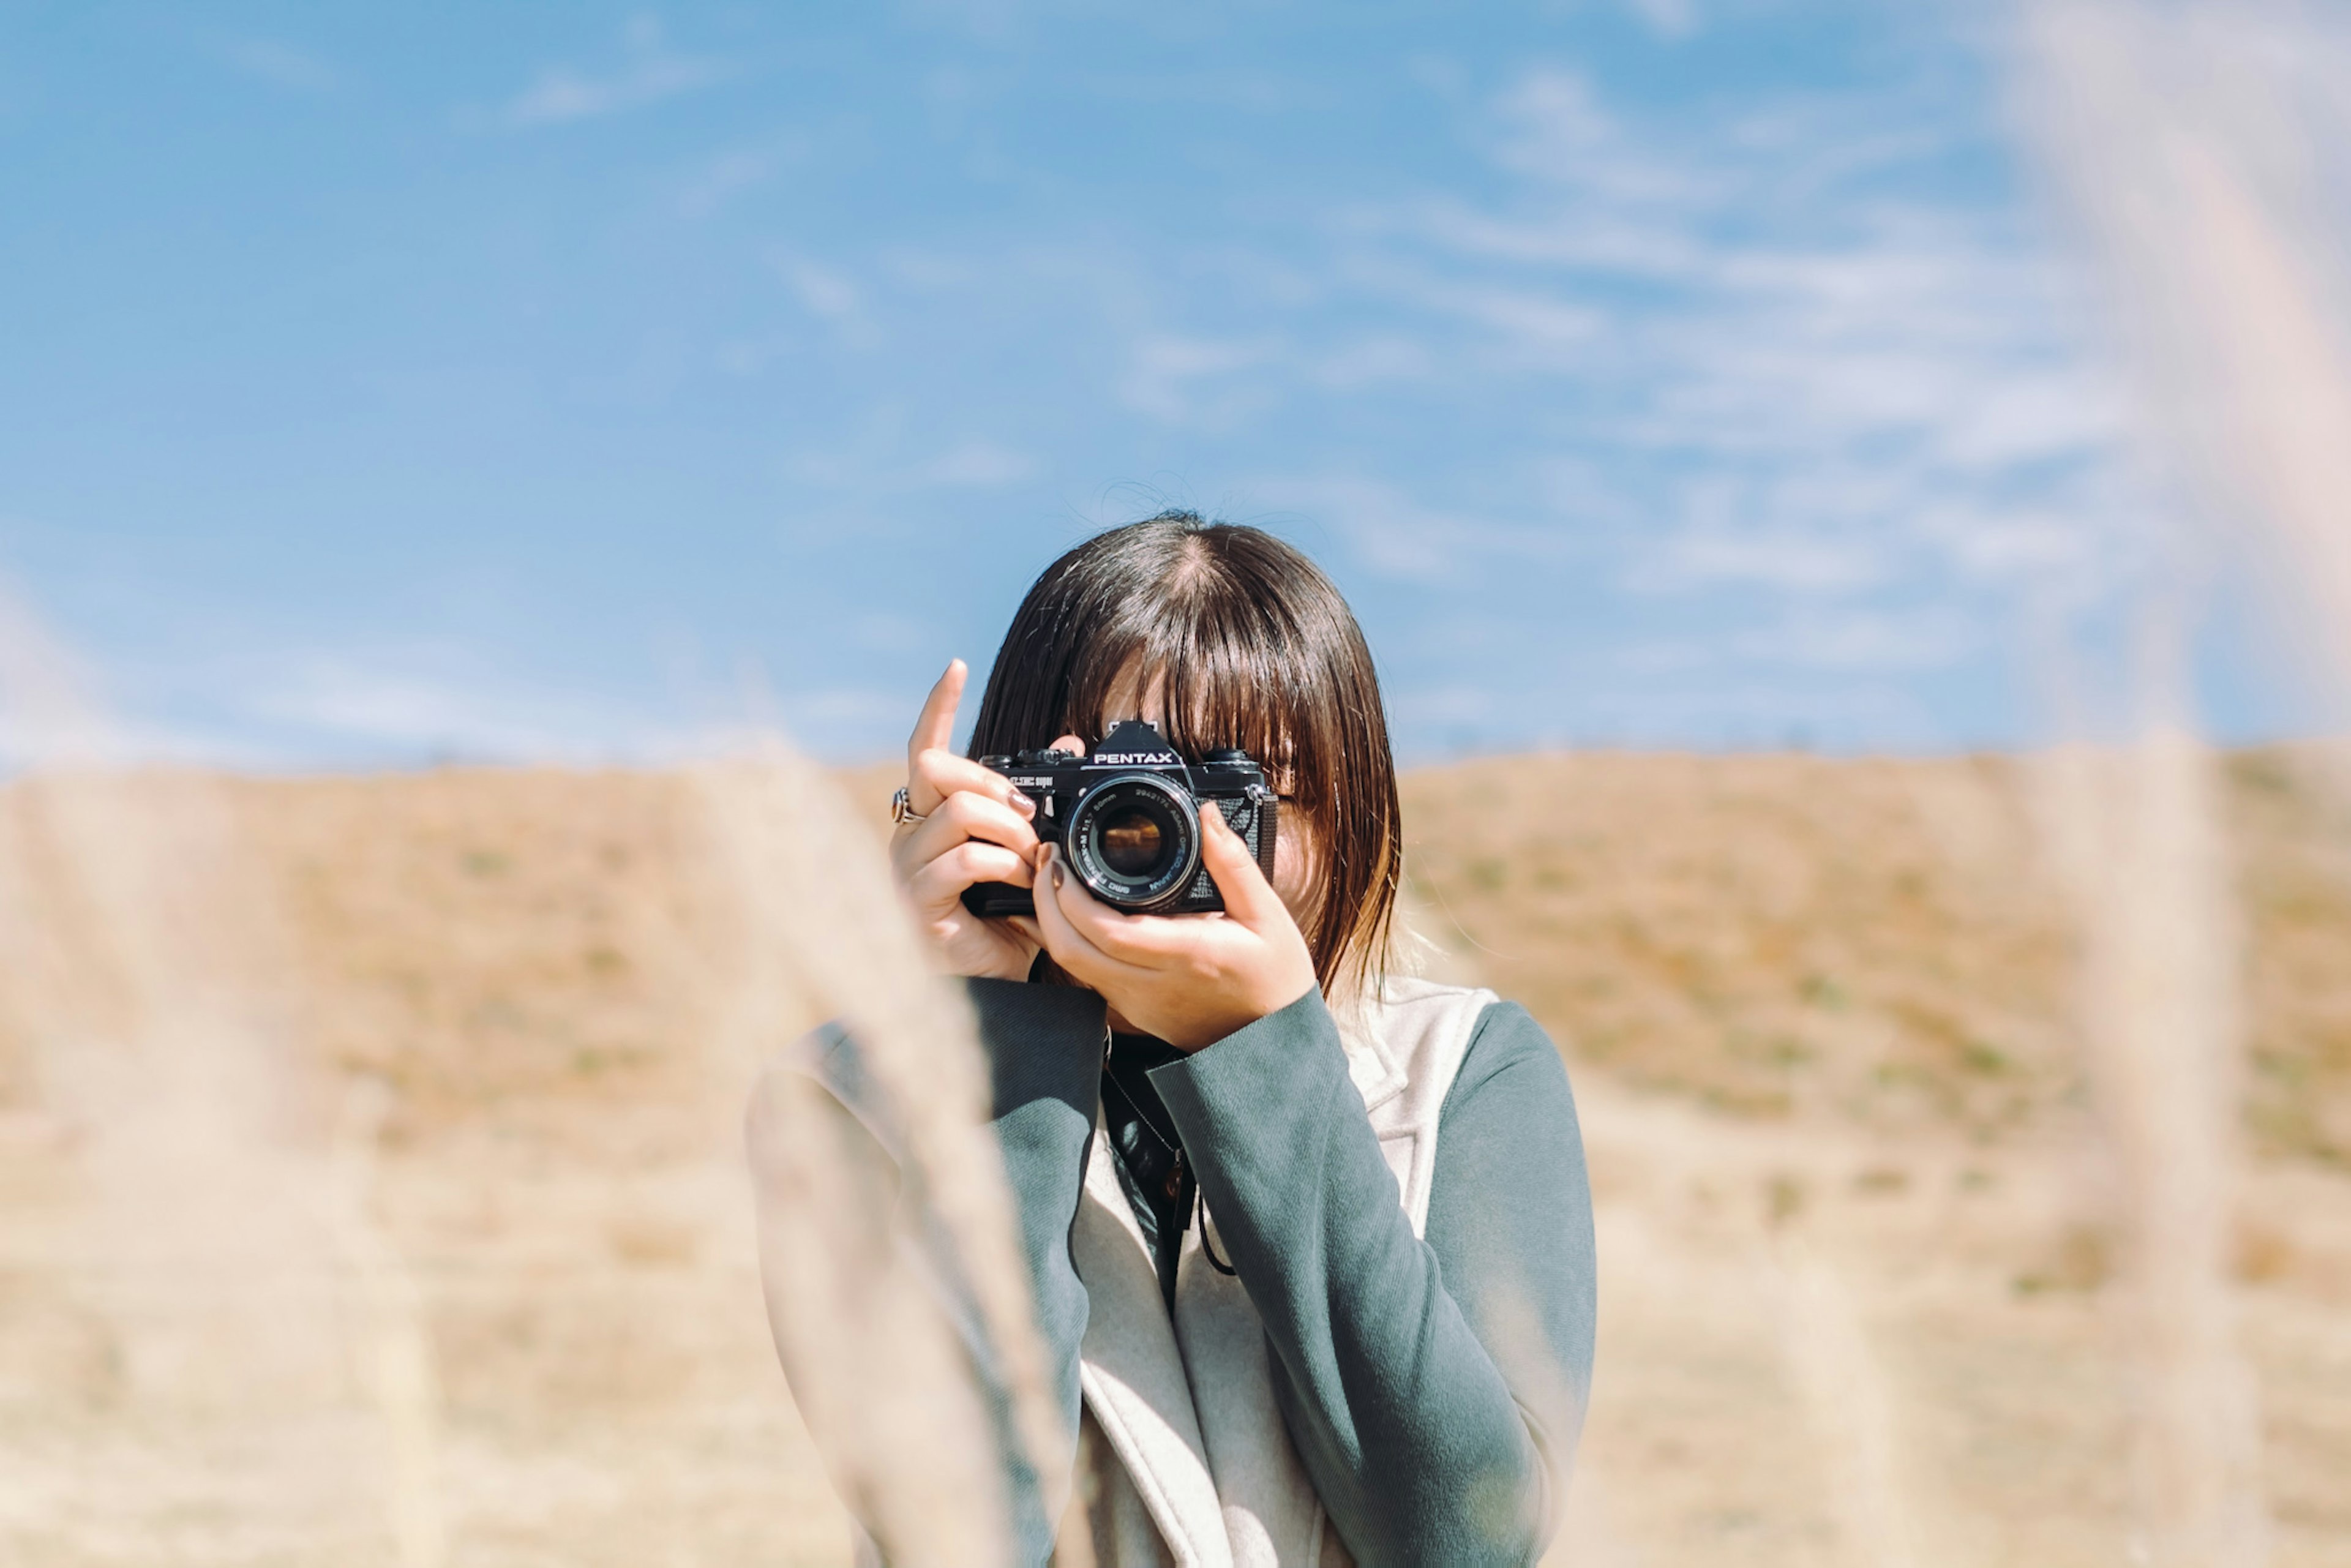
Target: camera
[[1127, 817]]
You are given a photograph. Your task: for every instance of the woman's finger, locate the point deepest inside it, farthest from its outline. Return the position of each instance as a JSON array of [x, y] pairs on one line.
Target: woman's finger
[[1248, 897], [944, 773], [934, 730], [937, 775], [935, 889], [936, 727], [1056, 888], [964, 815], [1144, 940]]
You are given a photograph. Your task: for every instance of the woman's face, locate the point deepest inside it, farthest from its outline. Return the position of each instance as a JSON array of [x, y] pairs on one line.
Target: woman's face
[[1296, 857]]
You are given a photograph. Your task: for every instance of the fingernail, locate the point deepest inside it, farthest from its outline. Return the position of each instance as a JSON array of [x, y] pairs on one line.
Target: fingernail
[[1057, 874], [1022, 804]]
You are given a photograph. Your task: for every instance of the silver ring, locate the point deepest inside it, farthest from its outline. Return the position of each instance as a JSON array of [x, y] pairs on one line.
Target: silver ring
[[902, 808]]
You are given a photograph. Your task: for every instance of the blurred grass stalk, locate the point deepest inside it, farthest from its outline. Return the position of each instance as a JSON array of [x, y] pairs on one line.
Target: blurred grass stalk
[[228, 1241], [2136, 840], [2199, 146], [1834, 1367], [230, 1238], [878, 1377]]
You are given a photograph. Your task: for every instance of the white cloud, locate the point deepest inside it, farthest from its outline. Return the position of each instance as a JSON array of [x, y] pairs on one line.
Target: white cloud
[[1793, 563], [979, 464], [1776, 391], [1172, 377], [881, 463], [1595, 241], [282, 64], [1537, 326], [1387, 356], [436, 707], [834, 297], [1667, 18], [2032, 542], [1553, 124], [927, 269], [650, 73], [1844, 385], [1817, 404], [723, 178], [1865, 641], [1550, 125], [825, 292], [1395, 536]]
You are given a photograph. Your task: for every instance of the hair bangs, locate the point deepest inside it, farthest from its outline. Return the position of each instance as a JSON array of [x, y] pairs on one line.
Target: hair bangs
[[1207, 686]]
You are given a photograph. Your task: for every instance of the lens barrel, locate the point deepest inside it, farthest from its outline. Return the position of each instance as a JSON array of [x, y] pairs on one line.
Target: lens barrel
[[1134, 841]]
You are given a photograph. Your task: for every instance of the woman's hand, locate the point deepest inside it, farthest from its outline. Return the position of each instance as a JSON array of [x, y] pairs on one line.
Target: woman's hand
[[1191, 979], [976, 829]]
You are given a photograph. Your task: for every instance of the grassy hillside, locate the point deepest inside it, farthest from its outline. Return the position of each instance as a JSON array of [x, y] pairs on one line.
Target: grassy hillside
[[1875, 940], [1819, 1013]]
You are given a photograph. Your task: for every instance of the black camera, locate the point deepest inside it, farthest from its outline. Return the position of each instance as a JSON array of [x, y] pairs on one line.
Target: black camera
[[1127, 817]]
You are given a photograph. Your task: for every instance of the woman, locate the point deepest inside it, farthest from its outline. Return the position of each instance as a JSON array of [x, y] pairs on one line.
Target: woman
[[1311, 1242]]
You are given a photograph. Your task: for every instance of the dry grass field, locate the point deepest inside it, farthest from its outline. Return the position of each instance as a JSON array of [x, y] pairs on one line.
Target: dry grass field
[[1856, 1225], [409, 1210]]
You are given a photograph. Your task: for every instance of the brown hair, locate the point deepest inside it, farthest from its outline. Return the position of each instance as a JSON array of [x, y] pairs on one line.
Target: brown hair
[[1251, 646]]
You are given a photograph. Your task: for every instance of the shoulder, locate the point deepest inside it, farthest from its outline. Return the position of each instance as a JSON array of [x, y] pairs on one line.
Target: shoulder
[[1510, 1056], [1417, 1033], [1412, 1014], [1454, 1040], [1506, 1031]]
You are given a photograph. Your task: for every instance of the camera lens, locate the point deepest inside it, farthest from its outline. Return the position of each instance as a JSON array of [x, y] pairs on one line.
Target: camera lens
[[1134, 841]]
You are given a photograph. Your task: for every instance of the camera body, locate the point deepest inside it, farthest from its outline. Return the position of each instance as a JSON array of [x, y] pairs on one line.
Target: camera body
[[1127, 817]]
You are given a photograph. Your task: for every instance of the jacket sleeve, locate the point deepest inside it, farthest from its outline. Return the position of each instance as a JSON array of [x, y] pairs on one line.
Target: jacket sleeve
[[1434, 1390], [1044, 1046]]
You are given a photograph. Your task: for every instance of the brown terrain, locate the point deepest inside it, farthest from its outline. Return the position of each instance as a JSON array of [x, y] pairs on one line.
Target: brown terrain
[[370, 1185]]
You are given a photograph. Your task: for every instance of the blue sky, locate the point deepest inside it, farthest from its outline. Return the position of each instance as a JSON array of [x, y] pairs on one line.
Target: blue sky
[[553, 380]]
